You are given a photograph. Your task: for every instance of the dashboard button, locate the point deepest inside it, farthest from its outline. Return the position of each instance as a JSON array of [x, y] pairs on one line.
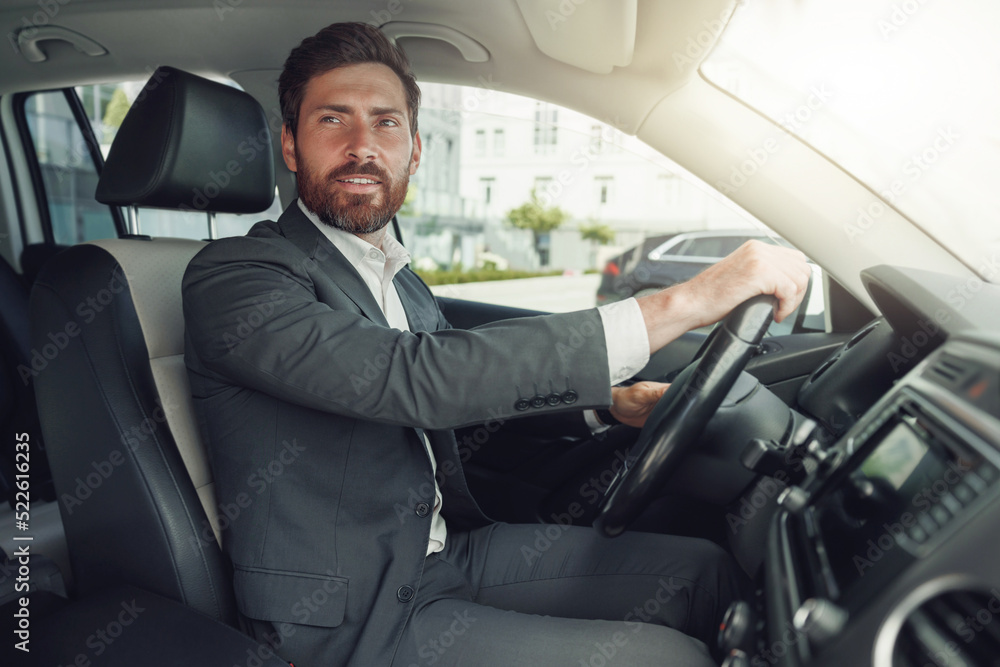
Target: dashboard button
[[917, 534], [949, 502], [940, 514], [928, 524], [976, 482], [987, 473], [964, 493]]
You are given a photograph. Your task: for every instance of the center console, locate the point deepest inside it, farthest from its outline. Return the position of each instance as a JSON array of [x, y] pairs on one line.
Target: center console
[[873, 517]]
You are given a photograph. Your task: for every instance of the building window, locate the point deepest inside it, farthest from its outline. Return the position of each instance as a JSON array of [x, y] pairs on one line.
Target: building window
[[596, 139], [543, 185], [546, 117], [670, 187], [480, 143], [605, 187], [499, 142], [486, 188]]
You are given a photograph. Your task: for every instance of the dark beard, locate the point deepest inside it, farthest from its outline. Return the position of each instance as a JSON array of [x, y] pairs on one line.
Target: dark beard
[[352, 213]]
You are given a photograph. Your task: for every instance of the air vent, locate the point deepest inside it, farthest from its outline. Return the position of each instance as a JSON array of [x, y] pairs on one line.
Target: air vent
[[958, 627], [950, 371]]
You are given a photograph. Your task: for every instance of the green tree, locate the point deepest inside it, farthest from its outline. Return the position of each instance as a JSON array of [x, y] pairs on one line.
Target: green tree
[[117, 107], [408, 207], [539, 220], [597, 232]]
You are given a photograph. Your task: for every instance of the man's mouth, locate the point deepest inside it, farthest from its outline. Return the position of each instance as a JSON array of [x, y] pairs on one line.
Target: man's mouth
[[359, 181]]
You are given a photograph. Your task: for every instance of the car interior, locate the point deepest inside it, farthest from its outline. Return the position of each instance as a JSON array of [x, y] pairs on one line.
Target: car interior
[[851, 471]]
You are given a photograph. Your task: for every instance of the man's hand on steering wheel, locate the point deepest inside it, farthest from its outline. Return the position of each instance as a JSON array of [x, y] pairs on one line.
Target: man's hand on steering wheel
[[754, 268], [631, 405], [750, 286]]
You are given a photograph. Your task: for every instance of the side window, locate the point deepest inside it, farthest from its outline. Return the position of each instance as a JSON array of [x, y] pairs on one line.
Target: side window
[[540, 193], [69, 172], [67, 169], [106, 106]]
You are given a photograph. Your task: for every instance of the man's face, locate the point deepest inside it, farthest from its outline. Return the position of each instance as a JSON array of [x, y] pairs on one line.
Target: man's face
[[353, 153]]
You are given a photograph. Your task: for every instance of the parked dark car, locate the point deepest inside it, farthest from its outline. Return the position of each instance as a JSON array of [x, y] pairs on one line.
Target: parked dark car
[[662, 261]]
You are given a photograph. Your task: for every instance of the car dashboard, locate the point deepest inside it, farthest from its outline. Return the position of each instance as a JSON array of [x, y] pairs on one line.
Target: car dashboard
[[885, 552]]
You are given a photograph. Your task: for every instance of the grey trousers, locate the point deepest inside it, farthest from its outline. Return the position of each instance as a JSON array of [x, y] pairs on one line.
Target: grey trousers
[[551, 595]]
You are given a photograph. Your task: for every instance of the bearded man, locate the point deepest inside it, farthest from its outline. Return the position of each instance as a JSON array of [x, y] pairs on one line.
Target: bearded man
[[369, 549]]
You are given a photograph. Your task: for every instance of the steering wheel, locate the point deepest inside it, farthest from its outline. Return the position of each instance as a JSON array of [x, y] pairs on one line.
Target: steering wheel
[[679, 417]]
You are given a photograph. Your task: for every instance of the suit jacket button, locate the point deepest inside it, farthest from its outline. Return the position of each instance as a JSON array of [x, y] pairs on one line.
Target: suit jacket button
[[553, 399], [522, 404], [404, 593], [422, 509], [538, 401], [570, 397]]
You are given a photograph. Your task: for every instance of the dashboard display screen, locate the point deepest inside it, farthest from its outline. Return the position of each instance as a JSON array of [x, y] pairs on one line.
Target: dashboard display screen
[[892, 493], [894, 461]]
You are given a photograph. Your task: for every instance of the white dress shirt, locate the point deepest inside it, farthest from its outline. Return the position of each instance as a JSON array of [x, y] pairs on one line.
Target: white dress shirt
[[624, 327]]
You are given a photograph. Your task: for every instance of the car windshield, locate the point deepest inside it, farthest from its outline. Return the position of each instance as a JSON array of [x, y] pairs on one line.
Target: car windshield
[[900, 93]]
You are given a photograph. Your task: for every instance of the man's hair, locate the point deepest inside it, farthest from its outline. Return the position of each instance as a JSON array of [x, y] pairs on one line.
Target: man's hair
[[335, 46]]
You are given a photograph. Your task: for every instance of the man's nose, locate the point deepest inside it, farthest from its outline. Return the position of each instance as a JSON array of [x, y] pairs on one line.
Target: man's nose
[[361, 143]]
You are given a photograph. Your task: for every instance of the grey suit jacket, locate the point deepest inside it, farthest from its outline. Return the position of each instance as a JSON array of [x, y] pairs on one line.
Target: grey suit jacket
[[310, 406]]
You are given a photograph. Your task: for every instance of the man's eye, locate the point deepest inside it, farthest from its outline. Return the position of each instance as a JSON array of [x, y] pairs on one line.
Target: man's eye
[[329, 119], [388, 122]]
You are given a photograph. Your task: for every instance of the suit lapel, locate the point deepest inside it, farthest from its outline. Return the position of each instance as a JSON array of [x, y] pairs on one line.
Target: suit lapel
[[413, 316], [298, 229]]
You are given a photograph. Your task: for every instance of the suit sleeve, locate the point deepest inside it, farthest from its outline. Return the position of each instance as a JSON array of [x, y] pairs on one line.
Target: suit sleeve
[[259, 323]]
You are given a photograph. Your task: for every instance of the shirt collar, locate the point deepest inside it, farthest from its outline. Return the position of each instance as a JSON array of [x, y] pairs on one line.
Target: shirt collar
[[357, 250]]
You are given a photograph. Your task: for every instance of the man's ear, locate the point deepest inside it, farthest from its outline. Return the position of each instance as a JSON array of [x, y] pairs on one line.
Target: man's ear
[[414, 156], [288, 148]]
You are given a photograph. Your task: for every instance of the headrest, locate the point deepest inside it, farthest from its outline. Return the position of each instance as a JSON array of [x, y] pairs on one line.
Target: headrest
[[192, 144]]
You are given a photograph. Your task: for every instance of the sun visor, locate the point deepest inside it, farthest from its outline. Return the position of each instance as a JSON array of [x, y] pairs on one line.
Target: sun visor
[[596, 35]]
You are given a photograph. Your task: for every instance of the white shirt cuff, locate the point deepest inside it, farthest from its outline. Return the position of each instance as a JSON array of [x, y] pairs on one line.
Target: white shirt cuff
[[626, 338], [593, 423]]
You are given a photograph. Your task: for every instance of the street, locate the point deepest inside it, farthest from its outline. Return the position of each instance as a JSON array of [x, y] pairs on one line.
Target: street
[[556, 294]]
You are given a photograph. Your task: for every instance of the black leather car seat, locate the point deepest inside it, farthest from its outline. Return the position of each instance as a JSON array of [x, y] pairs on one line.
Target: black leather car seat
[[130, 470]]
